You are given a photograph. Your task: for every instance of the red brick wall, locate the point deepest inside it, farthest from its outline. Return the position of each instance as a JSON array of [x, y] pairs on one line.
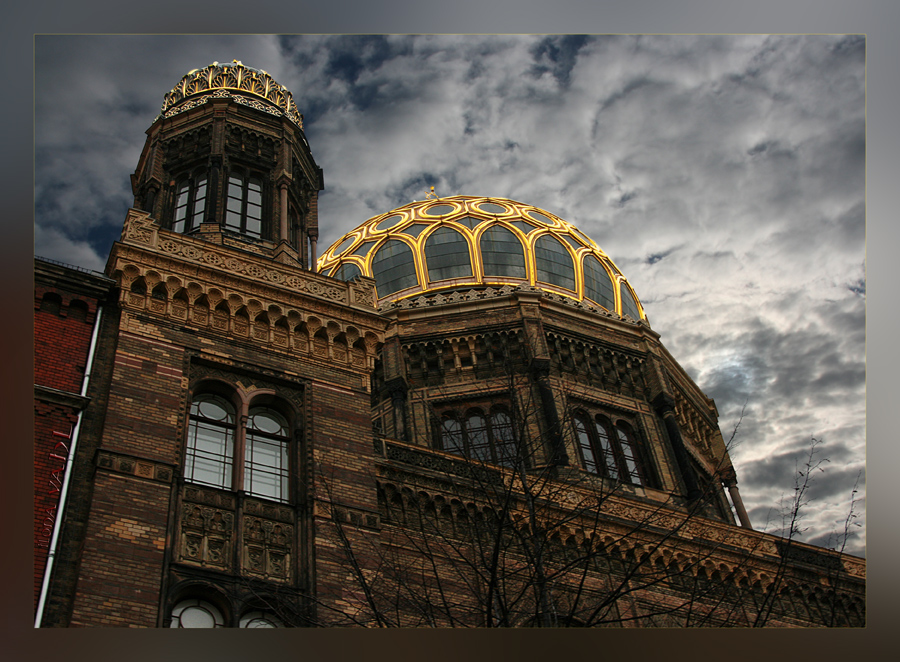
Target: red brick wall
[[62, 342]]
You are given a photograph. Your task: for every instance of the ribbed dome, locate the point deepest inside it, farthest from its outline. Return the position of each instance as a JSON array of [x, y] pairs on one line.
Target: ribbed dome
[[464, 242], [225, 79]]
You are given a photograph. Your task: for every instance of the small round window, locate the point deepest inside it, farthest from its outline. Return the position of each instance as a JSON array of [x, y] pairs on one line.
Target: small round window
[[196, 614], [491, 208], [344, 245], [389, 222], [540, 218], [439, 210]]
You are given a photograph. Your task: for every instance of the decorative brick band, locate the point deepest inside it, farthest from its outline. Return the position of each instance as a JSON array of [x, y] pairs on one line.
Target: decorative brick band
[[131, 465]]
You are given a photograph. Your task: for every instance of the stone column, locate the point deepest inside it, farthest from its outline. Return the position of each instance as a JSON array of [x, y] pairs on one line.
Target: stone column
[[729, 479]]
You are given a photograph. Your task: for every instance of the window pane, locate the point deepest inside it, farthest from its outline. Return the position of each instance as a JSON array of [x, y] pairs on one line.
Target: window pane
[[628, 454], [447, 255], [504, 441], [394, 268], [553, 262], [584, 445], [501, 253], [609, 459], [597, 285], [195, 613], [476, 433], [629, 306], [346, 271], [210, 444], [451, 436]]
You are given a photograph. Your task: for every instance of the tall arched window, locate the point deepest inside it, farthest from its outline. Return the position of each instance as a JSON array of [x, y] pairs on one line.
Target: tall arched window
[[215, 442], [244, 204], [190, 203], [629, 305], [597, 285], [553, 262], [209, 455], [613, 451], [501, 253], [394, 267], [266, 454], [478, 437], [447, 255]]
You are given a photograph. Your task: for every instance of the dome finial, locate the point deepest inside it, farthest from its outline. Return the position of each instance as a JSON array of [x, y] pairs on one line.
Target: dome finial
[[432, 195]]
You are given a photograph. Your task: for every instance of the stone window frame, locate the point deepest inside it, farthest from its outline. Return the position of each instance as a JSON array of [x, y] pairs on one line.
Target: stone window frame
[[617, 448]]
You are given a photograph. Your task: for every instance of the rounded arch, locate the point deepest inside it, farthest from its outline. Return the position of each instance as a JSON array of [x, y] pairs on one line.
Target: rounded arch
[[394, 267], [553, 262], [447, 254], [198, 604], [502, 253]]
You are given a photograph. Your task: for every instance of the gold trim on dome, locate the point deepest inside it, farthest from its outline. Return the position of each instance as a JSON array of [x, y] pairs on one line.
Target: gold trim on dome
[[471, 217], [237, 77]]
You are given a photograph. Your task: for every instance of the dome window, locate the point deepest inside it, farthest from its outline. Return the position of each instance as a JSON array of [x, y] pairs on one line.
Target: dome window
[[389, 222], [414, 230], [344, 245], [439, 210], [540, 218], [597, 285], [347, 271], [554, 264], [394, 268], [491, 208], [447, 255], [501, 253], [629, 305]]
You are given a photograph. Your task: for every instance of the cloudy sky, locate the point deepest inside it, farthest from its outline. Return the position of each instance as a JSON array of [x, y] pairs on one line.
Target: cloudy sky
[[725, 176]]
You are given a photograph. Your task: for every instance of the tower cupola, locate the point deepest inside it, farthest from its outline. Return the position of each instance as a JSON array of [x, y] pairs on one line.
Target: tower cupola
[[227, 160]]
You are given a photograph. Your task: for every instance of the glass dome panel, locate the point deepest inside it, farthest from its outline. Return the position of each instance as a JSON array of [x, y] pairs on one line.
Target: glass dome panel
[[344, 245], [389, 222], [597, 285], [502, 253], [491, 208], [554, 264], [414, 230], [394, 268], [447, 255], [347, 271], [629, 306], [540, 218], [439, 210]]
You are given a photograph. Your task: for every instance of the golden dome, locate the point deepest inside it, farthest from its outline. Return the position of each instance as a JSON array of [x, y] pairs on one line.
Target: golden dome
[[251, 85], [465, 242]]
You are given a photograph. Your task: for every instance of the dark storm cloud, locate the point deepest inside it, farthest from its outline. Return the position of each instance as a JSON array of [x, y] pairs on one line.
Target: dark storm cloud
[[723, 174]]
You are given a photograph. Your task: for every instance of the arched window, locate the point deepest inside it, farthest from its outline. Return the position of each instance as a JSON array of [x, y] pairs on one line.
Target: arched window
[[215, 441], [195, 613], [209, 455], [447, 255], [266, 454], [394, 268], [244, 204], [501, 253], [629, 305], [190, 203], [613, 451], [481, 438], [553, 262], [597, 285]]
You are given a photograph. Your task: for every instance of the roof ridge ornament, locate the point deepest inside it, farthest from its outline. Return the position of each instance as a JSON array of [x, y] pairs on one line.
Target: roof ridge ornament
[[432, 195]]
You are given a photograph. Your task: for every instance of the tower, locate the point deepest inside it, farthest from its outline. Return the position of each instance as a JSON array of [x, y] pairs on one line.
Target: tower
[[227, 158]]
